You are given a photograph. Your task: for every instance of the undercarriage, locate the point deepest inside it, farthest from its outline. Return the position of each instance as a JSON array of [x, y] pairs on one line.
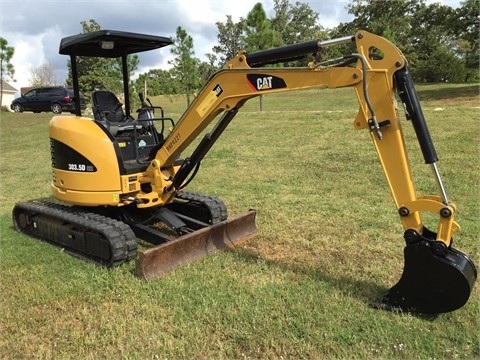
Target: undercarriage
[[109, 236]]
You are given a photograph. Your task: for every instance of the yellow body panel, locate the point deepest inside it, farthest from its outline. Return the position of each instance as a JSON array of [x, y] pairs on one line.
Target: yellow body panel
[[83, 135], [85, 198]]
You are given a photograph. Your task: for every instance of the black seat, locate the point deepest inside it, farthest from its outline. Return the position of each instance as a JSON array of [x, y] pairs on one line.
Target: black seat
[[106, 106], [107, 110]]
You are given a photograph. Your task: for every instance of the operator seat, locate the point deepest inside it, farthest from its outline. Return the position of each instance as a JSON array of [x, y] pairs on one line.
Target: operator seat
[[107, 110], [106, 106]]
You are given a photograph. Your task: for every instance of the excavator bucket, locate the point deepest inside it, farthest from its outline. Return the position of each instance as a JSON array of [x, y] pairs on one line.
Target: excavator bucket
[[160, 259], [432, 283]]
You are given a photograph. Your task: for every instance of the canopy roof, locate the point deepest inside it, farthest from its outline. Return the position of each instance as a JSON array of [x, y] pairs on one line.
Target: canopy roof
[[110, 43]]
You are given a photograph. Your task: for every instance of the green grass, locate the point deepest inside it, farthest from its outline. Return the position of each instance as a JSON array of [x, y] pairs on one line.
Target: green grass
[[329, 244]]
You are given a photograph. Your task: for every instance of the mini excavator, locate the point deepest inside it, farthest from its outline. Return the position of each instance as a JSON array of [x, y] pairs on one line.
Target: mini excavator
[[117, 180]]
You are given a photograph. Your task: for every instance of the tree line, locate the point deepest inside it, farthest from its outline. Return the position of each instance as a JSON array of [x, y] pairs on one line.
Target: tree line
[[441, 44]]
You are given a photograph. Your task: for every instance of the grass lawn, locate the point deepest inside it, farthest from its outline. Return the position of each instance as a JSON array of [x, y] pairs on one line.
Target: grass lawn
[[329, 244]]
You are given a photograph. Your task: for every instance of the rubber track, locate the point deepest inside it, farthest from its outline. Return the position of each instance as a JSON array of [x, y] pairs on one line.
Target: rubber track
[[123, 244], [215, 205]]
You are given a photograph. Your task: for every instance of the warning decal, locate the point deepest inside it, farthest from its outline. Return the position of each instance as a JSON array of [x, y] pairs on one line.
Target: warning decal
[[209, 100]]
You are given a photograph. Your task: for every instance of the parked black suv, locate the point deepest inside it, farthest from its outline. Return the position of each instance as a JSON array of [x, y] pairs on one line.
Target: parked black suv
[[54, 98]]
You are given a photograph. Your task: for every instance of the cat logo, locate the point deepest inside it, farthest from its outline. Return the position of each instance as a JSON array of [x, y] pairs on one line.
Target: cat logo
[[262, 82]]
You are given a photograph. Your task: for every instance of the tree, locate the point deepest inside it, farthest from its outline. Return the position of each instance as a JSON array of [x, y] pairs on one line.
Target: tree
[[6, 68], [291, 23], [422, 32], [430, 46], [378, 16], [184, 63], [132, 65], [158, 82], [230, 39], [100, 73], [466, 29], [95, 73], [259, 34], [295, 23], [43, 75], [207, 69]]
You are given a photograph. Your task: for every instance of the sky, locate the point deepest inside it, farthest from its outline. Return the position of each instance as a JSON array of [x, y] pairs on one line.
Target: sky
[[35, 27]]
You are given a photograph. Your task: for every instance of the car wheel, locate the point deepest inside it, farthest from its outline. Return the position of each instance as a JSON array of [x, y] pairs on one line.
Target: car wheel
[[56, 108], [17, 107]]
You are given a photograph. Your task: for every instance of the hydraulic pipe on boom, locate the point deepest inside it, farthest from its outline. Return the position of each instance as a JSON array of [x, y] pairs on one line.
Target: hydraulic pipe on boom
[[292, 52]]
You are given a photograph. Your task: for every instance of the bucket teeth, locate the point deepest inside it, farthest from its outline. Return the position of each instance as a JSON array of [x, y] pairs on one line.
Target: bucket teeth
[[431, 284]]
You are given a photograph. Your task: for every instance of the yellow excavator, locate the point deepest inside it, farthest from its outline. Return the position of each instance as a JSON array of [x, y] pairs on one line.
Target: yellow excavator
[[117, 179]]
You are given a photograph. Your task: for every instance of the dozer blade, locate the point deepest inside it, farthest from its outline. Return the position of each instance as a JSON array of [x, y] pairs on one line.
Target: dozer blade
[[432, 284], [160, 259]]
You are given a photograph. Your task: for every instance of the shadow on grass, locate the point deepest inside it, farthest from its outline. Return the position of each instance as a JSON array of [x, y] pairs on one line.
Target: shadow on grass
[[444, 92], [368, 292], [364, 290]]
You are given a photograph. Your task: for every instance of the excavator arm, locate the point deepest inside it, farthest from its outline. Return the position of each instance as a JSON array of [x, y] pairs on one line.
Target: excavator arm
[[436, 277], [380, 71]]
